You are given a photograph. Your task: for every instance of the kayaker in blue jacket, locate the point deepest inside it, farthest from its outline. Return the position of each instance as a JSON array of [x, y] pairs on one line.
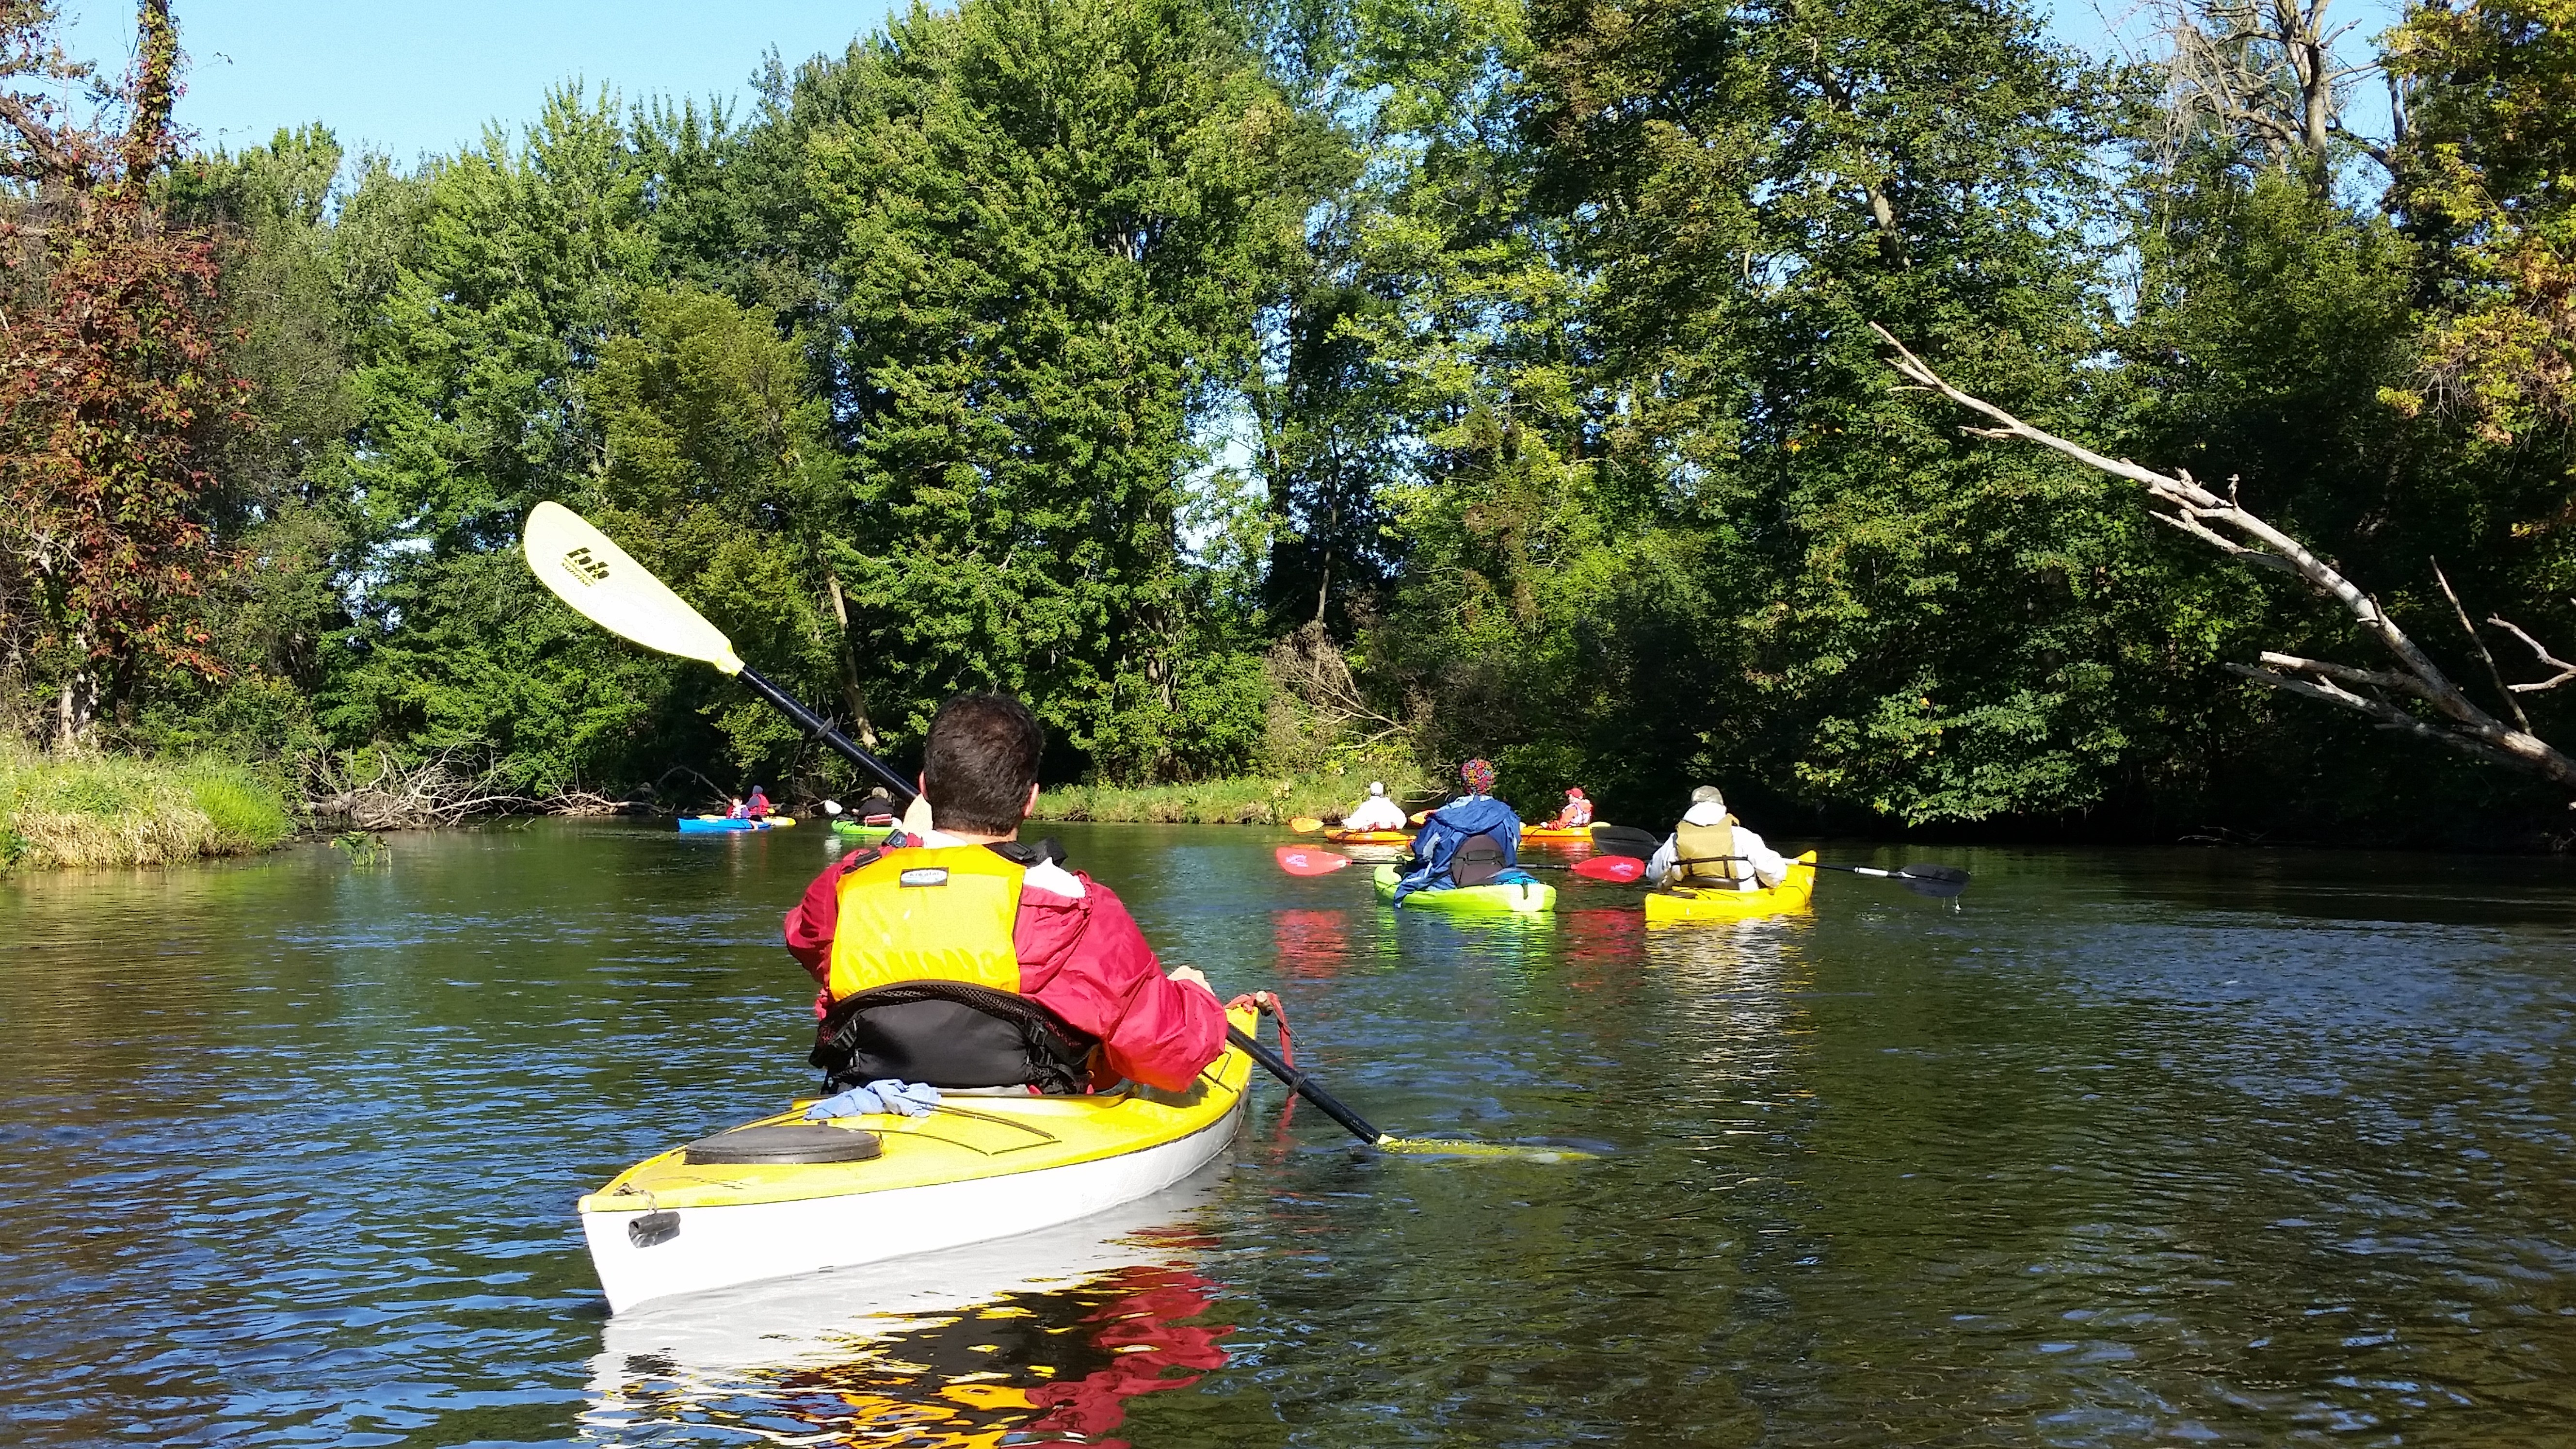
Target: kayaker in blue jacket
[[1473, 840]]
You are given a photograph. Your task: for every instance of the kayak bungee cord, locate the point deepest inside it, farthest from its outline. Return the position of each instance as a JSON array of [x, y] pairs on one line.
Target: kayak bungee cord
[[1286, 1071]]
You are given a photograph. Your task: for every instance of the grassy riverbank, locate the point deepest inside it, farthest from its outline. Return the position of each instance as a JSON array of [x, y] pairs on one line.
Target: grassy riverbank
[[1252, 800], [110, 810]]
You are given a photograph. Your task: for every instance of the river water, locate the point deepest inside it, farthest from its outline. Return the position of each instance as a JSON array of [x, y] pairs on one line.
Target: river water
[[2128, 1148]]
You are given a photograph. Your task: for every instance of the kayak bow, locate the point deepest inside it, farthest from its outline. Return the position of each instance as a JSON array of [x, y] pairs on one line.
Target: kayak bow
[[976, 1168]]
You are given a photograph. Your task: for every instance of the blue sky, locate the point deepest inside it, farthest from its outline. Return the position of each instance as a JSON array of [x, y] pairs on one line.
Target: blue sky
[[413, 78]]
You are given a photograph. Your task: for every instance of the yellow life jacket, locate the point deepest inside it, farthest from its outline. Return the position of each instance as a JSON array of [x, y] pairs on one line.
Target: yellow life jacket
[[928, 914], [1700, 855]]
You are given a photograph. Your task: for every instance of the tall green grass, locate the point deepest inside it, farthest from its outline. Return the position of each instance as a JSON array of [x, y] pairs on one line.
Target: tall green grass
[[122, 810], [1251, 800]]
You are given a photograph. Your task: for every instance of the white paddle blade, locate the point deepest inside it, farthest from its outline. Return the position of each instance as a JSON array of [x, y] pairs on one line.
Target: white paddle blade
[[591, 573]]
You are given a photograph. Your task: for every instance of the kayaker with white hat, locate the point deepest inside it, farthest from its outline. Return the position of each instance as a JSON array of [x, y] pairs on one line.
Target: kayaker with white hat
[[1376, 812], [964, 957], [1711, 850]]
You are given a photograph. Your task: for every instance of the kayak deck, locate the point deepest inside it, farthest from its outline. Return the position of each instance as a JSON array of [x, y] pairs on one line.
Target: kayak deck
[[864, 834], [1368, 837], [1552, 832], [1485, 900], [974, 1169], [702, 826], [962, 1139], [1687, 904]]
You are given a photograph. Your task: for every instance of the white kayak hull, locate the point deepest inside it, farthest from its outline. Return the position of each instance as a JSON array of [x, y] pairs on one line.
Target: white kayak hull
[[719, 1247]]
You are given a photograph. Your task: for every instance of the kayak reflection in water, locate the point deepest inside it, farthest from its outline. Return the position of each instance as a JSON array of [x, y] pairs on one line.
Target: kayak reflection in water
[[1471, 841], [1027, 1369]]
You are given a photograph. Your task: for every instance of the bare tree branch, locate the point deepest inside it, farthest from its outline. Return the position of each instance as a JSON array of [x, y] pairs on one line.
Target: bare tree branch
[[2566, 671], [2521, 720], [2240, 534]]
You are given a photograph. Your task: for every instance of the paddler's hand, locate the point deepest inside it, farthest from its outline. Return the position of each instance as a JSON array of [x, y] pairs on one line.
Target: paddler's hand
[[1192, 975]]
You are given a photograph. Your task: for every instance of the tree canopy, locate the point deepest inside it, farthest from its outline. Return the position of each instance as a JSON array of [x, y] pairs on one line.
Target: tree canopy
[[1507, 365]]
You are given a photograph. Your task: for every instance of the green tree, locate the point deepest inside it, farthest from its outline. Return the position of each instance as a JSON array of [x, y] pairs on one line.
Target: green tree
[[1055, 221]]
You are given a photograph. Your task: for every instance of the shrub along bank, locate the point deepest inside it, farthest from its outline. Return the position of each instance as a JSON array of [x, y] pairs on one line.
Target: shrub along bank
[[113, 810], [1244, 800]]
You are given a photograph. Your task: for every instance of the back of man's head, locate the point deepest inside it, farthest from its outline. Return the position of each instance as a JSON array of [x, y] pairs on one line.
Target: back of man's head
[[1707, 795], [980, 762]]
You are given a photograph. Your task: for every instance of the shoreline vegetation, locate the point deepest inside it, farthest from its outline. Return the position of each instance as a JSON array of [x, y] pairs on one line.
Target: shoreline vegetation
[[1608, 461], [91, 810], [1242, 800]]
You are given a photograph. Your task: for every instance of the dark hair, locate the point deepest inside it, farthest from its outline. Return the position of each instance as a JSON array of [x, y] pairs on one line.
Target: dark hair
[[980, 762]]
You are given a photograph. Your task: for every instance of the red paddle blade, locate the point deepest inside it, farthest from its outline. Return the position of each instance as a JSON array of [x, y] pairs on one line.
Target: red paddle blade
[[1307, 860], [1622, 869]]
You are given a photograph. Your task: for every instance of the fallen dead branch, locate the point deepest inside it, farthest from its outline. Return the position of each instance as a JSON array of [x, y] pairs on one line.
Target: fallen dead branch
[[2382, 694], [377, 790]]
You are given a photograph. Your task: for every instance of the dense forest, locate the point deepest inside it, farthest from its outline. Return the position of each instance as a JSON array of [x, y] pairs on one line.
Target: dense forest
[[1311, 383]]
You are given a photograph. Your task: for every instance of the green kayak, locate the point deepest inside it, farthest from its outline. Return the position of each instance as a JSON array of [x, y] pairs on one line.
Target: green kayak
[[1484, 900], [863, 834]]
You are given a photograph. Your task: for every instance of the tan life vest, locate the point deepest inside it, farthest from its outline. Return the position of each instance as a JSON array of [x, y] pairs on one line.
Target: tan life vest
[[928, 914], [1700, 855]]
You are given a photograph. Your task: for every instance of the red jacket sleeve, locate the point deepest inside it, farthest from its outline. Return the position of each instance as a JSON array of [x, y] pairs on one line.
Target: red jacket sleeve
[[1085, 961], [810, 925]]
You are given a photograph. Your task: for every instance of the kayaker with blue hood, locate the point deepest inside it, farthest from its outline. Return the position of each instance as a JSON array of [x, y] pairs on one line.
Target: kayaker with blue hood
[[1471, 841]]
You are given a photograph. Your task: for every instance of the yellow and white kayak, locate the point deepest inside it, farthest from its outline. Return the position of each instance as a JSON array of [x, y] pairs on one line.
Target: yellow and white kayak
[[975, 1169], [1692, 904]]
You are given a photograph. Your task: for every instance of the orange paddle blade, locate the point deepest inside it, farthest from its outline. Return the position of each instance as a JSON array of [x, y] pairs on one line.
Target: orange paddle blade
[[1307, 860], [1621, 869], [1305, 824]]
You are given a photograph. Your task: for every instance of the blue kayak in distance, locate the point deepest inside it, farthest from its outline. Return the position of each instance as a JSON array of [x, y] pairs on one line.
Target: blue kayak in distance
[[719, 825]]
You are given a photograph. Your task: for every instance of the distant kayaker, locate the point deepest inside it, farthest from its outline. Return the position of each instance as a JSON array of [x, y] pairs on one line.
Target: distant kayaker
[[1376, 812], [736, 810], [1473, 840], [1576, 814], [757, 807], [963, 957], [1711, 851], [877, 809]]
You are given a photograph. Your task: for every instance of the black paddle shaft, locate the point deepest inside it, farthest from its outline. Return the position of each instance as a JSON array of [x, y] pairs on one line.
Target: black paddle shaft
[[821, 728], [1297, 1081]]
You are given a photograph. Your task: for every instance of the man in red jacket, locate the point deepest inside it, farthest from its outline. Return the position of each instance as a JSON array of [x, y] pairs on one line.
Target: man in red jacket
[[964, 958]]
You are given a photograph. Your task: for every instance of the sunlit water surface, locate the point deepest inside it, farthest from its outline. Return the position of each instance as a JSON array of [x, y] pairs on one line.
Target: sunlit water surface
[[2168, 1148]]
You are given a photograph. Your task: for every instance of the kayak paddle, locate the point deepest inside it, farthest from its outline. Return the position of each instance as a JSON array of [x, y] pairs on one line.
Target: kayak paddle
[[1938, 881], [1358, 1126], [1309, 860], [1305, 824], [585, 569]]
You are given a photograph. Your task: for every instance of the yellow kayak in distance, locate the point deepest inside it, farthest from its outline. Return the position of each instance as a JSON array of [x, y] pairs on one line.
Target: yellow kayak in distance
[[1558, 832], [1685, 903], [870, 1188]]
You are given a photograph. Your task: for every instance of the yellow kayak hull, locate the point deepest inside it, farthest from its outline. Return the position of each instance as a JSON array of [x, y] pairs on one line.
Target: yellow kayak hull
[[974, 1169], [1792, 894], [1554, 832]]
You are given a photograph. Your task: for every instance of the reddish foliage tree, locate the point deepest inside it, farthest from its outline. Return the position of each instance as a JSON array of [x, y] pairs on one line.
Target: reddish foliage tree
[[112, 381]]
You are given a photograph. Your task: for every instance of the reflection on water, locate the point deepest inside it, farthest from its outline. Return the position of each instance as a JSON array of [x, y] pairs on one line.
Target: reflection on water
[[2137, 1148], [926, 1355]]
